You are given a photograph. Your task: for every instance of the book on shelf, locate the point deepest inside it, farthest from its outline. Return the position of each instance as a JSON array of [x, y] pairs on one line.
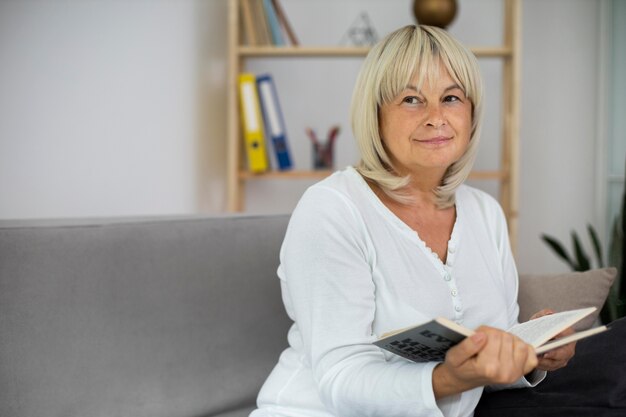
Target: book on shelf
[[252, 124], [274, 121], [248, 23], [273, 23], [429, 342], [263, 23], [263, 33], [284, 22]]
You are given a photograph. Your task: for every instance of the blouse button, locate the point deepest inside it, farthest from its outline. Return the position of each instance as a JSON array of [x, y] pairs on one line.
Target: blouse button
[[447, 277], [458, 308], [454, 293]]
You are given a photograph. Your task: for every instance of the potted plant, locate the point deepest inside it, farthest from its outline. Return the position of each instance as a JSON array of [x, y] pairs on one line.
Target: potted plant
[[578, 260]]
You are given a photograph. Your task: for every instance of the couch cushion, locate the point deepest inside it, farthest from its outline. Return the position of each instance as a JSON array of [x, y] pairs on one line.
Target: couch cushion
[[241, 412], [567, 291], [156, 317]]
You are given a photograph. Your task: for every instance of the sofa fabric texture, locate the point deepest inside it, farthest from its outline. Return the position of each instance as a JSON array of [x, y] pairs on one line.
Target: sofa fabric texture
[[183, 317], [139, 317]]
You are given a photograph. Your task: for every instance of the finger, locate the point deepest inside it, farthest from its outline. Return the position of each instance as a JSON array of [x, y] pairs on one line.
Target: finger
[[555, 355], [467, 349], [525, 358], [550, 365], [557, 358], [507, 348], [541, 313], [517, 357], [521, 352], [491, 350], [488, 361], [561, 354], [531, 359]]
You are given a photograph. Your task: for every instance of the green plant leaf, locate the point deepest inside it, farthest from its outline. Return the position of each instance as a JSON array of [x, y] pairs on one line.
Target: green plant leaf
[[582, 260], [622, 264], [611, 309], [597, 247], [558, 248], [616, 251]]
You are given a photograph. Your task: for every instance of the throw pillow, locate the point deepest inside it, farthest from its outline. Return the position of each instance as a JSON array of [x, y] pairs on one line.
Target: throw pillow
[[567, 291]]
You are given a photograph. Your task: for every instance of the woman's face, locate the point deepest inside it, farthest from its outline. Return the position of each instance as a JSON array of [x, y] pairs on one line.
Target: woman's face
[[428, 130]]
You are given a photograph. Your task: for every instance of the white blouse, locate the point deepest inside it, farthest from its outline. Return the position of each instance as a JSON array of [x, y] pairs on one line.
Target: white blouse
[[350, 271]]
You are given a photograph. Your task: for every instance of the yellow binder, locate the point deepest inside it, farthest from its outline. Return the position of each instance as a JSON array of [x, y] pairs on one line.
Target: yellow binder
[[252, 123]]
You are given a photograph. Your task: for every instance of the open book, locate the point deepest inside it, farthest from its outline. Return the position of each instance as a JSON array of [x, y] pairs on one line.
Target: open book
[[429, 342]]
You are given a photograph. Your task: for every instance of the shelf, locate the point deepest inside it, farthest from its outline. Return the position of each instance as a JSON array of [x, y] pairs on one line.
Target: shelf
[[508, 52], [495, 52], [488, 175], [320, 51], [290, 175], [342, 51]]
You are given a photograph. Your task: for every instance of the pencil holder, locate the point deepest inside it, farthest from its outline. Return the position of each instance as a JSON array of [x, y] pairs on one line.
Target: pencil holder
[[323, 155], [323, 151]]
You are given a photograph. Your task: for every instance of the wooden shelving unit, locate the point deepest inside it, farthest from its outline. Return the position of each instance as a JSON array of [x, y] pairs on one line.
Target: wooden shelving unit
[[300, 51], [509, 52]]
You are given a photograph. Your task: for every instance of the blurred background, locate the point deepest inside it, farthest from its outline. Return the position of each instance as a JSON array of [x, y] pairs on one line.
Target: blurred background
[[118, 107]]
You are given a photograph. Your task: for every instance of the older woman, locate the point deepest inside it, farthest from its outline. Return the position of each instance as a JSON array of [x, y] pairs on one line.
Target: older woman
[[396, 241]]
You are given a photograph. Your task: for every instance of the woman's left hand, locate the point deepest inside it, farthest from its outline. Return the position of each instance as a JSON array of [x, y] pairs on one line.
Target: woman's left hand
[[556, 358]]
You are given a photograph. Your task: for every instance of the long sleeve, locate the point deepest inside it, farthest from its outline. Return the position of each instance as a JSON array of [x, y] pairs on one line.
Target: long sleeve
[[326, 267], [350, 271]]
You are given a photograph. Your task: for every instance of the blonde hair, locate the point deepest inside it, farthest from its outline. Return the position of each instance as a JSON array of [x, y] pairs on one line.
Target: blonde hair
[[388, 68]]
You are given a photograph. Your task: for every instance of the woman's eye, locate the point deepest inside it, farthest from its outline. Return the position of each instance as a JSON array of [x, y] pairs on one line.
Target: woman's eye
[[451, 98], [411, 100]]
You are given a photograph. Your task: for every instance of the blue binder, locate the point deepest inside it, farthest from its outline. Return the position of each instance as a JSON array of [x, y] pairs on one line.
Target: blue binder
[[273, 118]]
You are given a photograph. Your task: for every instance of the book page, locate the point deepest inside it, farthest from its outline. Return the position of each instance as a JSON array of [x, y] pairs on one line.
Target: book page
[[538, 331], [569, 339]]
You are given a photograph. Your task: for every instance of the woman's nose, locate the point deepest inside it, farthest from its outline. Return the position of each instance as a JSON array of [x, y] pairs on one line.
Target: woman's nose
[[435, 117]]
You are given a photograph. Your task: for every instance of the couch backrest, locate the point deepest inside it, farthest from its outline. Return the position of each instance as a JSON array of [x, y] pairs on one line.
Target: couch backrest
[[148, 317]]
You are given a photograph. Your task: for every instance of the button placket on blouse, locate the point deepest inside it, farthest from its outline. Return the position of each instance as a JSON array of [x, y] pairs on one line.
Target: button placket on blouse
[[450, 279], [458, 307], [450, 257], [454, 293]]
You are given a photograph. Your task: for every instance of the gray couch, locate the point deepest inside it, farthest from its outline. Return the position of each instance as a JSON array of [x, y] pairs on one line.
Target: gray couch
[[182, 317], [154, 317]]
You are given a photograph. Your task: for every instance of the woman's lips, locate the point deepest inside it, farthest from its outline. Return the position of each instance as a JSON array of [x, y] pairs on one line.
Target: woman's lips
[[438, 140]]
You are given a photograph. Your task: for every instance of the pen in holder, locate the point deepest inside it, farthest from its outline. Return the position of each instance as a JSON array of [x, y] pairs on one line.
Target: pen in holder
[[323, 151]]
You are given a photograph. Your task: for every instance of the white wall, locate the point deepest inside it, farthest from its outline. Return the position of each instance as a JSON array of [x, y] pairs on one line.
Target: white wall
[[559, 126], [103, 107], [615, 170], [118, 107]]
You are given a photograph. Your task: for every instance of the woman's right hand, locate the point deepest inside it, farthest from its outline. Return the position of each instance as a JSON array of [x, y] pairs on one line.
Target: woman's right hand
[[490, 356]]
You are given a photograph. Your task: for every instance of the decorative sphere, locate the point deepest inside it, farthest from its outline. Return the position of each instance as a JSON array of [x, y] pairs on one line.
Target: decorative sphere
[[438, 13]]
